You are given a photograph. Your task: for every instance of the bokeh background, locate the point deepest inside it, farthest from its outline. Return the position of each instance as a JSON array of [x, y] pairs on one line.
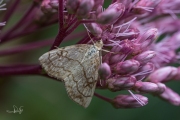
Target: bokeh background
[[46, 99]]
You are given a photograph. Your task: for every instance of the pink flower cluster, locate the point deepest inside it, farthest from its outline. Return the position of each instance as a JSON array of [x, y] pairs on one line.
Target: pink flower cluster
[[142, 37], [139, 58]]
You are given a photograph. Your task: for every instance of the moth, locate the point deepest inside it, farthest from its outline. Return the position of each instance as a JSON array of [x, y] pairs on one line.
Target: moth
[[77, 66]]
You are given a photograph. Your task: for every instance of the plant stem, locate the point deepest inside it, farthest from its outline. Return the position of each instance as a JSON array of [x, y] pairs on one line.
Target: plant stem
[[61, 14], [103, 98], [26, 47], [20, 70]]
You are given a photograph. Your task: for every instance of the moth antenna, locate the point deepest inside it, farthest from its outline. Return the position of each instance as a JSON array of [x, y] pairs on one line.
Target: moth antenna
[[89, 34]]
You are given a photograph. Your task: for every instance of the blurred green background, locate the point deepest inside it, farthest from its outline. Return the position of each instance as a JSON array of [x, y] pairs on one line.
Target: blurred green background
[[46, 99]]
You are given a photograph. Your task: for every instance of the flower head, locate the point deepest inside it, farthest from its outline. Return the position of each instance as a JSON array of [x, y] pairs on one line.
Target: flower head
[[141, 40]]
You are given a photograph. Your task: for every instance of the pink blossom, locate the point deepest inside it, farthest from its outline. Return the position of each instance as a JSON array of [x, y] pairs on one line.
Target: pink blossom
[[141, 41]]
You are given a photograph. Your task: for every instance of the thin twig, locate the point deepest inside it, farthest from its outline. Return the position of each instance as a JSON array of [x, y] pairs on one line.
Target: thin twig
[[103, 98], [72, 28], [59, 38], [61, 14], [26, 47], [84, 39], [20, 70]]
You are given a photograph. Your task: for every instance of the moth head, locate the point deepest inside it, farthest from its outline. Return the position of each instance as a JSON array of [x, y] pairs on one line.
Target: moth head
[[99, 44]]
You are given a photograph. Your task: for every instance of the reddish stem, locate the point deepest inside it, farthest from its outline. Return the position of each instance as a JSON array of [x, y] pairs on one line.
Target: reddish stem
[[19, 70], [27, 31], [74, 35], [103, 98], [88, 21], [59, 38], [19, 34], [71, 23], [72, 28], [26, 47], [61, 14], [83, 40]]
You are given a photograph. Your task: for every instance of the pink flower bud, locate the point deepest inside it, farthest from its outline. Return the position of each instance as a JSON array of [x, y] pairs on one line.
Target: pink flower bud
[[163, 74], [124, 82], [98, 10], [46, 7], [104, 71], [55, 3], [147, 67], [127, 67], [40, 16], [145, 57], [130, 34], [98, 3], [116, 58], [144, 6], [72, 6], [106, 58], [121, 83], [144, 71], [116, 49], [170, 96], [147, 38], [95, 29], [174, 41], [148, 3], [111, 14], [177, 77], [84, 8], [128, 101], [123, 49], [148, 87]]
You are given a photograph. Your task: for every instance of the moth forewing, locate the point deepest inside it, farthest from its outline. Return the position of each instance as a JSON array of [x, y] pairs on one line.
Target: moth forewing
[[77, 66]]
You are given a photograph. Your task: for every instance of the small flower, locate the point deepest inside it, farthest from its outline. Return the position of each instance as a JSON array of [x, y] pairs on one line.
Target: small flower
[[111, 14], [85, 6], [170, 96], [128, 101], [46, 7], [98, 3], [148, 87], [127, 67], [54, 3], [163, 74], [144, 6], [145, 57], [95, 29], [121, 83], [147, 38], [104, 71], [72, 6]]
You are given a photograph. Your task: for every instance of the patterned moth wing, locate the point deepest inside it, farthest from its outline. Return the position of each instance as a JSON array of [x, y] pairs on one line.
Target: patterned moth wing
[[77, 66]]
